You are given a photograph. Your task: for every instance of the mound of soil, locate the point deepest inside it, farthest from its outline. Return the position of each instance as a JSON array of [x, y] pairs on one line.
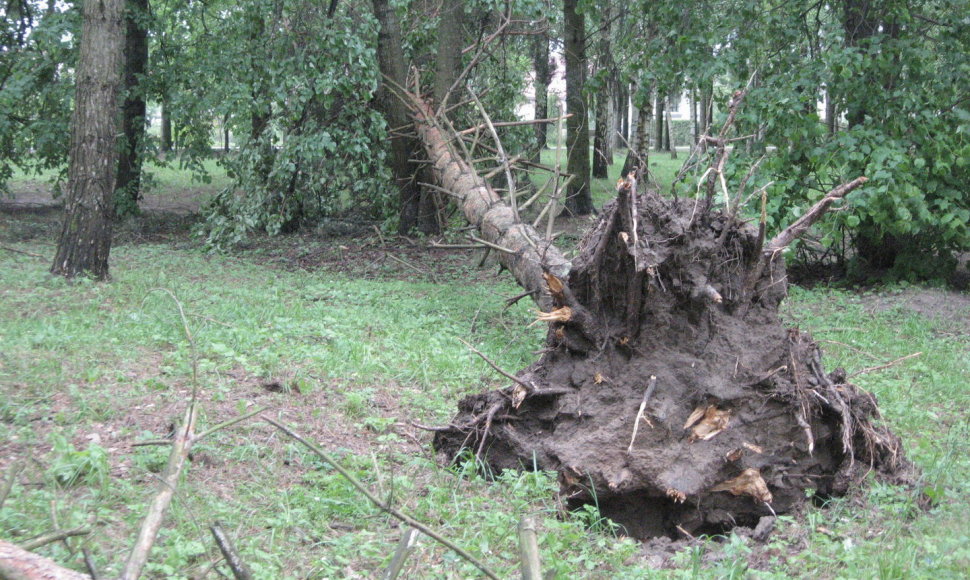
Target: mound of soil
[[669, 392]]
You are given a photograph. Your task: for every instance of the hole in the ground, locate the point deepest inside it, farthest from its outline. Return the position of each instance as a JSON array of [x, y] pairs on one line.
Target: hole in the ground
[[644, 517]]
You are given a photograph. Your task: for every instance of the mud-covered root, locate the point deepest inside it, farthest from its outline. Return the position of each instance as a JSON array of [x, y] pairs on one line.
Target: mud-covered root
[[669, 392]]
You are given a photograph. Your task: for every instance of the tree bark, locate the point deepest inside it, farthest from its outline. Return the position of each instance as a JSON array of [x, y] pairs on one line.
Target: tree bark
[[19, 564], [128, 188], [390, 58], [660, 123], [166, 129], [450, 45], [601, 158], [540, 62], [704, 120], [526, 255], [602, 152], [638, 155], [449, 48], [831, 113], [695, 129], [669, 143], [85, 239], [579, 200]]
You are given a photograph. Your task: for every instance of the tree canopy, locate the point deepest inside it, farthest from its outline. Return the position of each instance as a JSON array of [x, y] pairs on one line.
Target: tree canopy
[[288, 88]]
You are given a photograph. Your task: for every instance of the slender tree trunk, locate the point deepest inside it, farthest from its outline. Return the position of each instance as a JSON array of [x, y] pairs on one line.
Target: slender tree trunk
[[831, 114], [390, 58], [579, 200], [638, 156], [630, 113], [706, 111], [166, 129], [133, 112], [695, 129], [450, 44], [225, 133], [449, 48], [260, 112], [669, 143], [602, 152], [540, 62], [620, 116], [85, 240], [660, 122], [601, 159]]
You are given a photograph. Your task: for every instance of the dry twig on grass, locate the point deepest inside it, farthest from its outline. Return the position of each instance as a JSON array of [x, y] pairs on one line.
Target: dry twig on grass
[[382, 505]]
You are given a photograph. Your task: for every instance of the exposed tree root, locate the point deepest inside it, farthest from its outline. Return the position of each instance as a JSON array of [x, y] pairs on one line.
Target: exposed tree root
[[667, 328]]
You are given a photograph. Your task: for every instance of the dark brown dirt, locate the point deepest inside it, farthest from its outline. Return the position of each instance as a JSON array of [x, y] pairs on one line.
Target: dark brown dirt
[[740, 419]]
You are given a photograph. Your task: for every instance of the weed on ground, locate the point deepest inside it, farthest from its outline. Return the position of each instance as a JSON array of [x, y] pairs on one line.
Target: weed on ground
[[355, 350]]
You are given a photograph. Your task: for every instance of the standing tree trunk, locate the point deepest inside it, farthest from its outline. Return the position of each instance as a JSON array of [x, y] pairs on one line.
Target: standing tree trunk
[[831, 114], [638, 156], [449, 49], [390, 58], [225, 133], [128, 188], [602, 152], [540, 62], [669, 143], [85, 239], [579, 201], [660, 123], [601, 157], [450, 45], [705, 113], [617, 112], [166, 129]]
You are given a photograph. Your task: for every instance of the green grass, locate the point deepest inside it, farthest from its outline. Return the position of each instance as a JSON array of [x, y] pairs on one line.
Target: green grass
[[164, 180], [663, 170], [88, 368]]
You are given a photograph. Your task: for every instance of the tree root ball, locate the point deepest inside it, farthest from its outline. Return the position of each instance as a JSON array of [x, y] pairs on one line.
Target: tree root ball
[[673, 397]]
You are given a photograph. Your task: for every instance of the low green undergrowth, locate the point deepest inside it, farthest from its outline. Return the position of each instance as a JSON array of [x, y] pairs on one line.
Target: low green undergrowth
[[86, 369]]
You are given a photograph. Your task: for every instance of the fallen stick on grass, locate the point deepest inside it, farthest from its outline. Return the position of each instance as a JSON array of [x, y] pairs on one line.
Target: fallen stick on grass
[[380, 504]]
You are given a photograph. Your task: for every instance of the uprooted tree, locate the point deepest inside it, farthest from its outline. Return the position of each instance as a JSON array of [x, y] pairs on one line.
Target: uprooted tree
[[669, 392]]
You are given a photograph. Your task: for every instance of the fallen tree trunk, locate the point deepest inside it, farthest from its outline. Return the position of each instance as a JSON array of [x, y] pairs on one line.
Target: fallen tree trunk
[[526, 255], [669, 393], [19, 564]]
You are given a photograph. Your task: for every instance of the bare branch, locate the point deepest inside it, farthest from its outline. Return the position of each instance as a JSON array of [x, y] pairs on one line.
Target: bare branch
[[236, 564], [382, 505]]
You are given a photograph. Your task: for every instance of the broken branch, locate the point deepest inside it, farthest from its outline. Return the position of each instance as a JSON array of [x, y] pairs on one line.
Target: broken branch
[[885, 366], [801, 225], [156, 512], [55, 536], [498, 369], [643, 405], [236, 564], [380, 504]]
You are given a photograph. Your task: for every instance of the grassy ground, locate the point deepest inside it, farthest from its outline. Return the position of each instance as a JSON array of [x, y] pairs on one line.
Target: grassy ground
[[352, 346], [663, 170], [169, 186]]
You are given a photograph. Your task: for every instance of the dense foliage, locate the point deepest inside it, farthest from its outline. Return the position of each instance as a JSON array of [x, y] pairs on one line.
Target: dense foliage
[[37, 54], [297, 85], [895, 78], [858, 87]]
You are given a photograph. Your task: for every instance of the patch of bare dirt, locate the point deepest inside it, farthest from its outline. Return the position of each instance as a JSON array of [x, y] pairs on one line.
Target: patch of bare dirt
[[948, 307], [34, 195]]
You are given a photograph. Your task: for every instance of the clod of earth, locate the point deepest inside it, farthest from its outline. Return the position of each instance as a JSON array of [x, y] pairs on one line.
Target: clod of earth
[[667, 331]]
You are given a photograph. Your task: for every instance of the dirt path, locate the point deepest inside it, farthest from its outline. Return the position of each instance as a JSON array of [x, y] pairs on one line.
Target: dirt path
[[32, 194]]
